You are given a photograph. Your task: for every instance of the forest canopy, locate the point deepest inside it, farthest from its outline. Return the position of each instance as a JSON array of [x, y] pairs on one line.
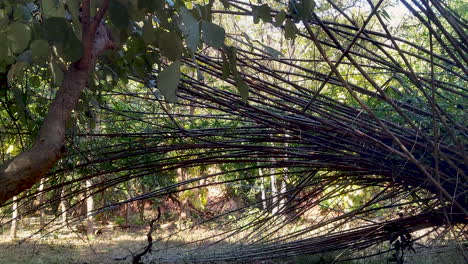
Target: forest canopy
[[342, 121]]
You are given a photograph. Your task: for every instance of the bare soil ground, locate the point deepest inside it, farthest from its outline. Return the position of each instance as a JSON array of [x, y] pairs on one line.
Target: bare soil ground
[[112, 245], [63, 248]]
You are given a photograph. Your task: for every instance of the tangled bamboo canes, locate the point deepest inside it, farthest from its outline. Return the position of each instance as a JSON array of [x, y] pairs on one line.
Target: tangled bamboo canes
[[393, 131]]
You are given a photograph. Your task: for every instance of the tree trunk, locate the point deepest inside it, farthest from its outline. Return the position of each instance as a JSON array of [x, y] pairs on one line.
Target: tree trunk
[[128, 208], [90, 198], [184, 206], [64, 208], [89, 209], [282, 198], [27, 168], [141, 203], [14, 219], [282, 192], [262, 188], [41, 201], [141, 210], [274, 192]]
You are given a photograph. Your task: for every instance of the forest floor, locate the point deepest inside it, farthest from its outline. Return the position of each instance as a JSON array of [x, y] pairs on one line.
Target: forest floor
[[116, 245], [69, 248]]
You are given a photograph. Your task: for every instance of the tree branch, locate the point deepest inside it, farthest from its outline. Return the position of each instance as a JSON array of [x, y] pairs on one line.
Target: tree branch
[[90, 27], [137, 258], [85, 15], [99, 16]]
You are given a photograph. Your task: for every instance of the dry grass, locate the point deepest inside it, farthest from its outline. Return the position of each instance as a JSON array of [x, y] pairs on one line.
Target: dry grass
[[67, 247], [70, 247]]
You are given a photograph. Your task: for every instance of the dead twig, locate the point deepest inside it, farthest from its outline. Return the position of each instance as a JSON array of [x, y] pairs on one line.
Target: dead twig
[[137, 258]]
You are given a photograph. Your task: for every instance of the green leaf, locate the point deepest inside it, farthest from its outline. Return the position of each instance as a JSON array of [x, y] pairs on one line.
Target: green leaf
[[94, 102], [9, 59], [242, 87], [53, 8], [40, 51], [59, 31], [226, 4], [37, 31], [55, 27], [385, 14], [152, 58], [190, 28], [118, 14], [149, 35], [139, 65], [301, 9], [168, 81], [200, 76], [3, 46], [205, 12], [231, 53], [308, 7], [18, 94], [213, 35], [35, 81], [150, 5], [26, 56], [273, 52], [18, 36], [279, 18], [135, 47], [74, 8], [57, 73], [263, 12], [115, 32], [165, 19], [290, 29], [16, 71], [170, 45], [23, 14], [71, 48], [4, 19], [225, 67]]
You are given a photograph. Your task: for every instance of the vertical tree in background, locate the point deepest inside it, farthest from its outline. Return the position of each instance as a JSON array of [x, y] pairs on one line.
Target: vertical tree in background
[[262, 189], [89, 208], [274, 189], [41, 202], [14, 219]]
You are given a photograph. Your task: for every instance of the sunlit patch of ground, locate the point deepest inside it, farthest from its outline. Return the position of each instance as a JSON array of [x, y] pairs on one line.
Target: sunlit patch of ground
[[112, 245], [67, 248]]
